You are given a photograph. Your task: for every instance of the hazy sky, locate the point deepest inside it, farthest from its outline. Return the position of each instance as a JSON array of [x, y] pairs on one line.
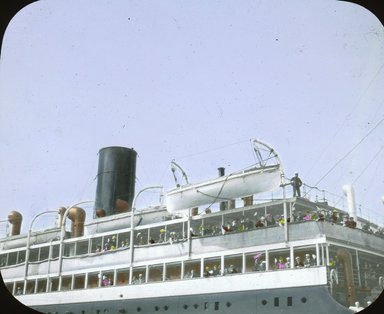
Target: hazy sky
[[191, 81]]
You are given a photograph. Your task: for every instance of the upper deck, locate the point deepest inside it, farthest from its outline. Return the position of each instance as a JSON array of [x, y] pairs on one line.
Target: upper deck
[[227, 232]]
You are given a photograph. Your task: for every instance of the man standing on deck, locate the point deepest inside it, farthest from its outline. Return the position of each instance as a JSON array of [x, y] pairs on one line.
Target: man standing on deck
[[296, 183]]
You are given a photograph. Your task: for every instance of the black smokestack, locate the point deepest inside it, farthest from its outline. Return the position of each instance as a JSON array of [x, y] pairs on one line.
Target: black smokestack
[[115, 180]]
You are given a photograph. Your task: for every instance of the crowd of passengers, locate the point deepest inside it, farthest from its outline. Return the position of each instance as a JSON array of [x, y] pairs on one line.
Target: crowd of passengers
[[215, 270], [111, 244], [239, 225], [278, 220], [260, 265]]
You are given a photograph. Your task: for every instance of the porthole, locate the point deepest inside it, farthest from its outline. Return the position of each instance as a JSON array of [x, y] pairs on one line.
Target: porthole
[[156, 308], [304, 299], [264, 302], [166, 307], [276, 301], [195, 306], [185, 306], [139, 309], [228, 304]]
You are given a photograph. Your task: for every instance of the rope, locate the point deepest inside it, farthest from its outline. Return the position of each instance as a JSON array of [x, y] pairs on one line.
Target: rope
[[348, 153], [374, 157]]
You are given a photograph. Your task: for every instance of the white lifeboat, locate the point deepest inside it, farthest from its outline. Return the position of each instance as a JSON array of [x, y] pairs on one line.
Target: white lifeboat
[[264, 177]]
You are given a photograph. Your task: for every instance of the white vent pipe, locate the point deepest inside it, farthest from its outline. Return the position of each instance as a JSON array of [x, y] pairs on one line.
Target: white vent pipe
[[349, 192]]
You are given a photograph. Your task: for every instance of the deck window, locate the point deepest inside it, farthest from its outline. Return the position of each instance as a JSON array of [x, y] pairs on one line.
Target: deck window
[[175, 232], [255, 261], [156, 235], [122, 277], [21, 257], [195, 227], [30, 286], [109, 242], [192, 269], [12, 258], [79, 282], [155, 273], [55, 250], [173, 271], [3, 260], [33, 255], [233, 264], [306, 256], [107, 278], [66, 283], [123, 240], [54, 284], [141, 237], [138, 275], [97, 245], [19, 287], [212, 267], [41, 285], [44, 253], [233, 223], [82, 247], [69, 249], [279, 259], [93, 280], [210, 226]]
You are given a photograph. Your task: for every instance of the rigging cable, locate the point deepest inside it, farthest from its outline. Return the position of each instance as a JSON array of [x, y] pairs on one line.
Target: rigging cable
[[374, 157], [347, 117], [347, 154]]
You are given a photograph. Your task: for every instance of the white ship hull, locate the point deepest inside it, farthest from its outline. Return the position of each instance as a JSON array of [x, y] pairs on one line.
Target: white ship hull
[[288, 291]]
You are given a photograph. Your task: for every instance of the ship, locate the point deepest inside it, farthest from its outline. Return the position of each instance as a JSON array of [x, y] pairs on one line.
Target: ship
[[214, 246]]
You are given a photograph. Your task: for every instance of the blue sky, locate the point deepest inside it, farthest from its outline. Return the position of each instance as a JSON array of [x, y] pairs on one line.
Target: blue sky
[[191, 81]]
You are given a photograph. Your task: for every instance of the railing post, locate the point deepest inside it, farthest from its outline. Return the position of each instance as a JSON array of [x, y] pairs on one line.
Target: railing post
[[28, 247], [62, 234], [132, 240]]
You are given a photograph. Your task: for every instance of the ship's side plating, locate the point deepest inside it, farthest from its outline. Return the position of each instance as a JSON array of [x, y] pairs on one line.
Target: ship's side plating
[[298, 300]]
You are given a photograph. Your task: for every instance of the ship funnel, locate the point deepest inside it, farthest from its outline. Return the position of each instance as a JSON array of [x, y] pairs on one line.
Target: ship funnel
[[350, 194], [77, 215], [15, 219], [115, 180]]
